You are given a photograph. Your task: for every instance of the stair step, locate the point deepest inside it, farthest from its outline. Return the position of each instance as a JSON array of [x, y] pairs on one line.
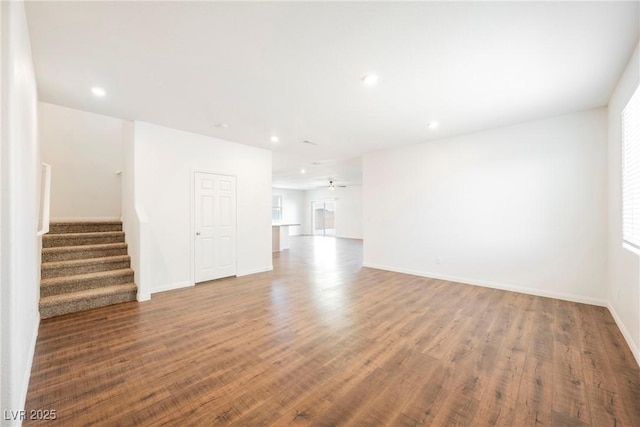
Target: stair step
[[59, 227], [81, 282], [80, 239], [66, 253], [84, 266], [57, 305]]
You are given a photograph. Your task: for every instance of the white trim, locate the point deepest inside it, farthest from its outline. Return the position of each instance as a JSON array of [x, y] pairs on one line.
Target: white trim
[[45, 199], [143, 297], [625, 333], [81, 219], [487, 284], [254, 271], [172, 286], [192, 227]]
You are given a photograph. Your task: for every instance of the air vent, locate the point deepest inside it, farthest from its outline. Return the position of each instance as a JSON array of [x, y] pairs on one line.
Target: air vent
[[323, 162]]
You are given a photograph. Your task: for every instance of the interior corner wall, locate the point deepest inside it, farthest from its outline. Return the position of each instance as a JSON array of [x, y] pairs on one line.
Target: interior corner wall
[[521, 208], [348, 210], [165, 160], [293, 202], [20, 175], [85, 151], [623, 275]]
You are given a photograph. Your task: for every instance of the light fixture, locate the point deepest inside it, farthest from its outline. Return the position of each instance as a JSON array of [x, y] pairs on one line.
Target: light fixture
[[303, 171], [432, 125], [331, 186], [275, 139], [369, 79], [98, 91]]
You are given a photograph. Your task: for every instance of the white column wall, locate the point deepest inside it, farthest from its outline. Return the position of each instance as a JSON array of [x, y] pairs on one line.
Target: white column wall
[[20, 176]]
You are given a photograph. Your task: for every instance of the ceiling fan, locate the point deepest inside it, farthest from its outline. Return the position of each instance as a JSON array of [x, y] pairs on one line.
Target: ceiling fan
[[333, 186]]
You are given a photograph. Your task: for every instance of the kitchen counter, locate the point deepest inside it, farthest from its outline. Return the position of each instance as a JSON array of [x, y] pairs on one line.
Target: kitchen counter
[[280, 236]]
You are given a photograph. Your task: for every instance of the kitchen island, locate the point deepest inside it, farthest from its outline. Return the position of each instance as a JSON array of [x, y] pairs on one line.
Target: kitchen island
[[280, 236]]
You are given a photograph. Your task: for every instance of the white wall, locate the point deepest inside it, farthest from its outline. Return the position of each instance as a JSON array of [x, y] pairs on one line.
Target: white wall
[[134, 220], [85, 153], [348, 209], [521, 207], [164, 163], [293, 202], [624, 266], [20, 156]]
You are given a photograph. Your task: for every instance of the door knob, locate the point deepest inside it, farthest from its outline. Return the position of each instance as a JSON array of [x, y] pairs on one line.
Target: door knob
[[197, 233]]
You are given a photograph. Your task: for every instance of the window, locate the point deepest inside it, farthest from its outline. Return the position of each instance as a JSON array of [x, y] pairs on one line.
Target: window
[[631, 171], [276, 208]]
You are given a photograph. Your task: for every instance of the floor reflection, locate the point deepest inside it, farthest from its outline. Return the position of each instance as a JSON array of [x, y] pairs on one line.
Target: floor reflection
[[327, 280]]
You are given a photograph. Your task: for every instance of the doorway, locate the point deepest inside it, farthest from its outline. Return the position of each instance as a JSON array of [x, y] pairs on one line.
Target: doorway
[[214, 219], [323, 219]]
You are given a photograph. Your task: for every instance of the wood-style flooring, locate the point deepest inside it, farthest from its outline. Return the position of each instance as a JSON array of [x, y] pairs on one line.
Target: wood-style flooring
[[322, 341]]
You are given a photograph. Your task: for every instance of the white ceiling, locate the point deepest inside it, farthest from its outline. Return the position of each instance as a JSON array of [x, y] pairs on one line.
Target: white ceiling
[[293, 69]]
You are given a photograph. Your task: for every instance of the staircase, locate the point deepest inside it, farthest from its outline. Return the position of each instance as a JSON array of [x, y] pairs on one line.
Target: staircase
[[84, 265]]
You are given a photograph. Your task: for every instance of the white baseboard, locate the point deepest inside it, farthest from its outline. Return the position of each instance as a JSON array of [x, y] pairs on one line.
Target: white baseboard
[[487, 284], [259, 270], [143, 297], [625, 333], [171, 287]]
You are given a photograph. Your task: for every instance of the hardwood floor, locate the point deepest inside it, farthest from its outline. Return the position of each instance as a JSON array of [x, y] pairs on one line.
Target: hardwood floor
[[321, 341]]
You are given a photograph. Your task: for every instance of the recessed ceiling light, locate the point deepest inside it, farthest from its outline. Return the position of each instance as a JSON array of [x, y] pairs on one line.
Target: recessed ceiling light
[[303, 171], [98, 91], [369, 79], [432, 125], [275, 139], [222, 125]]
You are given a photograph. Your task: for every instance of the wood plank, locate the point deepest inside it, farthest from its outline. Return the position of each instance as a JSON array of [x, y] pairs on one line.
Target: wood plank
[[336, 344]]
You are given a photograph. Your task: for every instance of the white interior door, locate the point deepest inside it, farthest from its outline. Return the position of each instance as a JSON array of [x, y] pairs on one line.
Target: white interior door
[[215, 226]]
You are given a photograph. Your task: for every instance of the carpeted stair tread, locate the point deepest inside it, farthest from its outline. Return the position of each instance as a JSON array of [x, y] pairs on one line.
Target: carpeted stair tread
[[59, 285], [107, 290], [71, 302], [78, 239], [109, 274], [59, 227], [74, 262], [85, 265], [82, 266], [66, 253]]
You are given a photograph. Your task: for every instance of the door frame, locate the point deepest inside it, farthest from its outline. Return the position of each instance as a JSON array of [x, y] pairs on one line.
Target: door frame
[[192, 226]]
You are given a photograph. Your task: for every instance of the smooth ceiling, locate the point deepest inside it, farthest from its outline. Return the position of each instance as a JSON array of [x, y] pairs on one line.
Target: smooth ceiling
[[293, 69]]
